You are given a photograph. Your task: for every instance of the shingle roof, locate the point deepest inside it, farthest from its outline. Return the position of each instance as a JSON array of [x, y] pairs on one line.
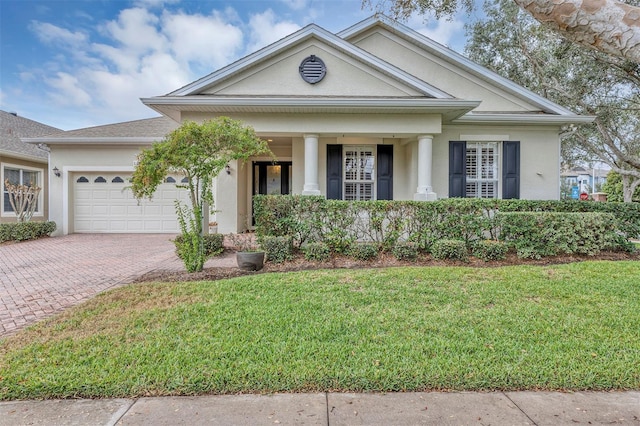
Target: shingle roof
[[14, 127], [149, 127]]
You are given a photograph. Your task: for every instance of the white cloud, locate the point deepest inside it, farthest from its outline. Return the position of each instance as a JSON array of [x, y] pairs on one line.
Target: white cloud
[[265, 30], [68, 90], [296, 4], [52, 34], [135, 30], [208, 41]]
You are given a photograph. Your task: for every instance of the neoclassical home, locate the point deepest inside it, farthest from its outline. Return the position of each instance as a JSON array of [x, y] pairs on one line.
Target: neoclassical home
[[375, 112]]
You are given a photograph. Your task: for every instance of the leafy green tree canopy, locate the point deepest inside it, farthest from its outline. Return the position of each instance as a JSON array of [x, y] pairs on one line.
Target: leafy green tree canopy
[[199, 151]]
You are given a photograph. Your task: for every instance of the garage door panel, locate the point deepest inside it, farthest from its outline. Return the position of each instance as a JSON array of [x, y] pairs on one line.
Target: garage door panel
[[117, 194], [100, 210], [109, 207]]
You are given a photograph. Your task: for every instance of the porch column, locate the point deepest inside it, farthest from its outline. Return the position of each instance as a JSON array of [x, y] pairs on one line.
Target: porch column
[[424, 192], [311, 186]]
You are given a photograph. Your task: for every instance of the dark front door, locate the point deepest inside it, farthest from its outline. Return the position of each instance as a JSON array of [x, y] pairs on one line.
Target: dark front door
[[271, 178]]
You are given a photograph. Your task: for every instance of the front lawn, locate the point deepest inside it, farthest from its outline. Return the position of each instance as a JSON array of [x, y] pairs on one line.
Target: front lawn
[[574, 326]]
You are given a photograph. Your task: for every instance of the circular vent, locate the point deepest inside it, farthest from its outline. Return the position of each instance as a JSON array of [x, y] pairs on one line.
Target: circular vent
[[312, 69]]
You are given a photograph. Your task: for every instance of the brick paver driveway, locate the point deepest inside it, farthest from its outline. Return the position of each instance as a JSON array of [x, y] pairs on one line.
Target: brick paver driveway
[[39, 278]]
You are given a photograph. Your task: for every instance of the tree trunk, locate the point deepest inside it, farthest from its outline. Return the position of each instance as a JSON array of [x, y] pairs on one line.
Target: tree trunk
[[606, 25]]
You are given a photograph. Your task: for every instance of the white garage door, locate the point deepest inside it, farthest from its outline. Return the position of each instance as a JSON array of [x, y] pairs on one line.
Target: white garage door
[[102, 203]]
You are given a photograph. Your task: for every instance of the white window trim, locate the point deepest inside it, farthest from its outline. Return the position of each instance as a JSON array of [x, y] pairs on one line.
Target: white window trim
[[498, 154], [40, 211], [374, 181]]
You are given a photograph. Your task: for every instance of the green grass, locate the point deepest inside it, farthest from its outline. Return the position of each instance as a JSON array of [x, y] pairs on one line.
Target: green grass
[[573, 326]]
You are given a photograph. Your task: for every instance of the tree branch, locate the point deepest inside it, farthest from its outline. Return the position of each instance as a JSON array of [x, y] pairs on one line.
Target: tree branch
[[605, 25]]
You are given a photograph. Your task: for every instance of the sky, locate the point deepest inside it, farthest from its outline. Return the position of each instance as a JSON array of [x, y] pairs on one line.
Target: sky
[[78, 63]]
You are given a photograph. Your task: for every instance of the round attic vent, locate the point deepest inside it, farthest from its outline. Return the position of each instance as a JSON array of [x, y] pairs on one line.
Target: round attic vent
[[312, 69]]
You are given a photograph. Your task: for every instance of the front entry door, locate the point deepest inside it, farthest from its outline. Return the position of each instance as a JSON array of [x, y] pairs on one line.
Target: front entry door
[[271, 178]]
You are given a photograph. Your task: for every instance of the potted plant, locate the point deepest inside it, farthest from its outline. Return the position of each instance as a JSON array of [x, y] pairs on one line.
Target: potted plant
[[213, 227], [248, 254]]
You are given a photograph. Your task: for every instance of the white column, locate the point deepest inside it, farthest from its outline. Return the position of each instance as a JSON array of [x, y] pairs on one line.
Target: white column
[[311, 186], [424, 192]]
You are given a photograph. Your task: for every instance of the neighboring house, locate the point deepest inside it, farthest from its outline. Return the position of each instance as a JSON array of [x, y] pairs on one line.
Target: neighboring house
[[23, 163], [585, 179], [377, 111]]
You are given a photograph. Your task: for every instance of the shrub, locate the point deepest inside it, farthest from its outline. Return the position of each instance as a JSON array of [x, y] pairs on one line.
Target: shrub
[[23, 231], [213, 244], [405, 250], [317, 251], [490, 250], [449, 249], [539, 234], [279, 249], [364, 251]]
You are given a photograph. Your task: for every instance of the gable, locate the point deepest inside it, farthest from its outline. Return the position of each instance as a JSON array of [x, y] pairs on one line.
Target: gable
[[345, 76], [441, 73]]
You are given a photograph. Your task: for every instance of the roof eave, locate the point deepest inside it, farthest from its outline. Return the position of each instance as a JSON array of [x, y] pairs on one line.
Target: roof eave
[[92, 140], [25, 157], [479, 118]]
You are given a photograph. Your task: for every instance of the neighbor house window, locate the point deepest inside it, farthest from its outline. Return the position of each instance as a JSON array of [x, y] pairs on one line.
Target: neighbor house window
[[359, 173], [482, 170], [19, 176]]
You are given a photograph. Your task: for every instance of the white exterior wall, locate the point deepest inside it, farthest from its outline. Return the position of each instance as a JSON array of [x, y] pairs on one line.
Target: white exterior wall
[[539, 157]]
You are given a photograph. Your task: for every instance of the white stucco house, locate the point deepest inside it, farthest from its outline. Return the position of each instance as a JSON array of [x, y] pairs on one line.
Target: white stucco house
[[377, 111]]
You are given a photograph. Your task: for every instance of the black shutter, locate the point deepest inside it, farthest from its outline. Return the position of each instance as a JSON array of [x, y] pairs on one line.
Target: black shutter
[[457, 169], [334, 172], [511, 169], [385, 172]]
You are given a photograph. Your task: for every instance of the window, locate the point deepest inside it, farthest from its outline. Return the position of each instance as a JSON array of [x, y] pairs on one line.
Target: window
[[117, 179], [18, 175], [482, 170], [82, 179], [169, 179], [359, 177], [100, 179]]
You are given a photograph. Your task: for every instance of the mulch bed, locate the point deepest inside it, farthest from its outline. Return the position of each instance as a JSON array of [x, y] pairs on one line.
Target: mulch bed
[[383, 261]]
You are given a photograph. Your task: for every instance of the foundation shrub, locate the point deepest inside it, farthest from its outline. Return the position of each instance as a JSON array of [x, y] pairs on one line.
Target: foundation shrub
[[278, 249], [450, 249], [340, 224], [405, 250], [364, 251], [23, 231], [490, 250], [540, 234], [317, 251], [213, 244]]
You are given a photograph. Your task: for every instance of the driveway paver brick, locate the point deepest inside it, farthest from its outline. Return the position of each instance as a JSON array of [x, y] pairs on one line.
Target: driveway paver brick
[[42, 277]]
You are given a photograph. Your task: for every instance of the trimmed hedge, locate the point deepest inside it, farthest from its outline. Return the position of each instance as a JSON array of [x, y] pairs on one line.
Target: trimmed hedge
[[539, 234], [490, 250], [450, 249], [342, 224], [278, 249], [23, 231]]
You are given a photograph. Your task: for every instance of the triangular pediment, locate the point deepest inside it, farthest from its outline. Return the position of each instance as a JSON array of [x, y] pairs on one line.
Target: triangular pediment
[[275, 71], [444, 68]]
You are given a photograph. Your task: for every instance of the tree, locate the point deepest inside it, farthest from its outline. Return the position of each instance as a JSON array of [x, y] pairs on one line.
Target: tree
[[23, 199], [586, 81], [200, 152], [615, 188], [608, 26]]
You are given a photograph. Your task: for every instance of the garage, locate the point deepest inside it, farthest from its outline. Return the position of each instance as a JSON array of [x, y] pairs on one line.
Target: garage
[[104, 204]]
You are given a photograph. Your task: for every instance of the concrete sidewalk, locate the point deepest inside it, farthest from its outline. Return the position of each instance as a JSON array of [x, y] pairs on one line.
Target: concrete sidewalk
[[418, 408]]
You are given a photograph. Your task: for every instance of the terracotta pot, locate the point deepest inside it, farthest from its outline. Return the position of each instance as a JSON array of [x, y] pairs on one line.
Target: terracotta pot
[[250, 260]]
